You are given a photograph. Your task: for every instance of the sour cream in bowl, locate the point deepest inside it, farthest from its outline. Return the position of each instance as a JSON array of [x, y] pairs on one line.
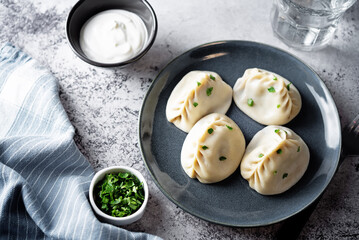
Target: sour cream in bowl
[[113, 36], [111, 33]]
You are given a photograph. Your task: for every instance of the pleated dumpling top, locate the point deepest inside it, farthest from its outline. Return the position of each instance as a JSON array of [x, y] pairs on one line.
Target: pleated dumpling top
[[213, 149], [275, 159], [267, 97], [197, 94]]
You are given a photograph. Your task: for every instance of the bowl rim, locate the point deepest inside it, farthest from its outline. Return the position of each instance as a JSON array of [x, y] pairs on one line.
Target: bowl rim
[[99, 176], [150, 38]]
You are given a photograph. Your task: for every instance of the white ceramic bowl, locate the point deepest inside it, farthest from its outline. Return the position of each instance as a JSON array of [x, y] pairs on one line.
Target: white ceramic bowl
[[118, 221]]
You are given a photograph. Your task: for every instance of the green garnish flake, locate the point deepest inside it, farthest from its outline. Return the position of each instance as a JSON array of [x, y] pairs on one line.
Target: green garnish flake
[[271, 89], [250, 102], [212, 77], [275, 172], [119, 194], [260, 155], [198, 84], [222, 158], [279, 151], [288, 86], [298, 150], [204, 147], [278, 106], [275, 78], [209, 91], [229, 127], [210, 130], [276, 131], [285, 175], [195, 104]]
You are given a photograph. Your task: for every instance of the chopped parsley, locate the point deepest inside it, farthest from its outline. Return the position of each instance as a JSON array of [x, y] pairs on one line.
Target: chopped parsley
[[198, 84], [204, 147], [195, 104], [212, 77], [210, 130], [278, 106], [298, 150], [209, 91], [279, 151], [119, 194], [222, 158], [229, 127], [260, 155], [275, 172], [250, 102], [275, 78], [271, 89], [285, 175], [288, 86]]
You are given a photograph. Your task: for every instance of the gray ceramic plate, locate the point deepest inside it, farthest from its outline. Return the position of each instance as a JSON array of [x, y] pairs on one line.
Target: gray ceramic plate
[[232, 202]]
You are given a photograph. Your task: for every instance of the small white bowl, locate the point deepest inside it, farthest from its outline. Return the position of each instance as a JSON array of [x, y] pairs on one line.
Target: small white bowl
[[118, 221]]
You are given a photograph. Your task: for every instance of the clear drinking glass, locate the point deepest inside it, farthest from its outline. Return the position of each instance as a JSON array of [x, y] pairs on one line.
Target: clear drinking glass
[[307, 24]]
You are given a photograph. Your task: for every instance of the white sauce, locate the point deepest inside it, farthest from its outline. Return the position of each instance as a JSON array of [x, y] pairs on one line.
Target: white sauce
[[113, 36]]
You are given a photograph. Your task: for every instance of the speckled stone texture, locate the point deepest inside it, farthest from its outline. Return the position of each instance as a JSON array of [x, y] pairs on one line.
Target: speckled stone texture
[[104, 104]]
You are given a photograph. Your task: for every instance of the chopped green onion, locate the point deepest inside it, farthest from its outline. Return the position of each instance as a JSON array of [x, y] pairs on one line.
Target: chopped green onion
[[279, 151], [212, 77], [195, 104], [210, 131], [221, 158], [229, 127], [119, 194], [209, 91], [260, 155], [278, 106], [298, 150], [288, 86], [275, 78], [204, 147], [198, 84], [250, 102], [275, 172], [276, 131], [285, 175], [271, 89]]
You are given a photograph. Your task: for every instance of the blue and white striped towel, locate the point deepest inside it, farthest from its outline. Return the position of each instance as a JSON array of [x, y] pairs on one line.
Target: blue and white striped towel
[[44, 179]]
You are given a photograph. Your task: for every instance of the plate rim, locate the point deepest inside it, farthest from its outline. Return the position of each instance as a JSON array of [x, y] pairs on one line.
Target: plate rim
[[258, 44]]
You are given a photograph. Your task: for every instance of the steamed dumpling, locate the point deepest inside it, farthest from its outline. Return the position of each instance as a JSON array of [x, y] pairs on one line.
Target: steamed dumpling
[[213, 149], [267, 97], [196, 95], [275, 159]]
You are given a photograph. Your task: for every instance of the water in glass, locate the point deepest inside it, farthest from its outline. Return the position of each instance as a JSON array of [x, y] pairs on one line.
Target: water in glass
[[307, 24]]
